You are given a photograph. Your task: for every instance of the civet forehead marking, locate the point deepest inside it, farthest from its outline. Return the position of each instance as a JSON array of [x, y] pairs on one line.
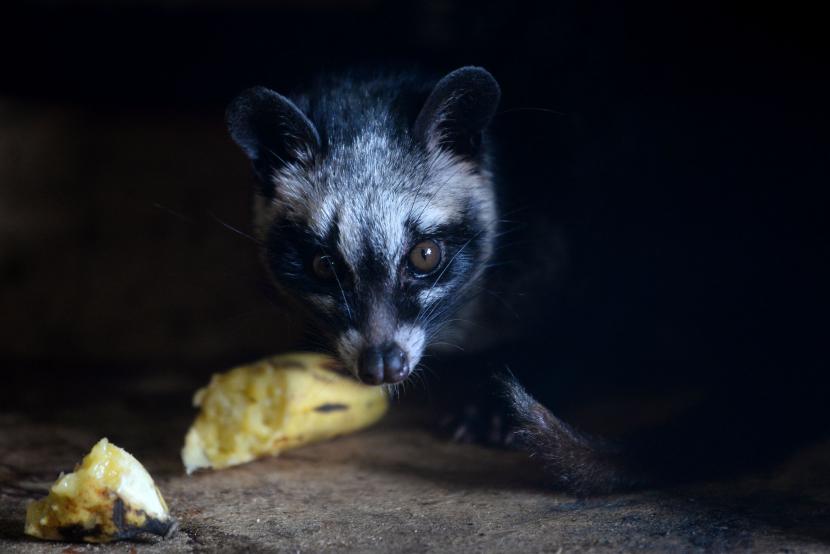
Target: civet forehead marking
[[367, 198]]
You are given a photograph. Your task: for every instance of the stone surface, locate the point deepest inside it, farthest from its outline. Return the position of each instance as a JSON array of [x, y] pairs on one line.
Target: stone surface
[[393, 488]]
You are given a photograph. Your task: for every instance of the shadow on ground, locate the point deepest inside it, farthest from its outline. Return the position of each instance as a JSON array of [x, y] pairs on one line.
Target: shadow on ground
[[393, 488]]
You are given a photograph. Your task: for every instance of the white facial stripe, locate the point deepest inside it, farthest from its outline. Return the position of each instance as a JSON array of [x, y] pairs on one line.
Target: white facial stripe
[[452, 183], [323, 214], [376, 221], [349, 346], [323, 302], [428, 296], [411, 339]]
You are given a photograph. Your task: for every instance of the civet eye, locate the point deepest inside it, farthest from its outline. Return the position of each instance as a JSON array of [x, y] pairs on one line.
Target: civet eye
[[322, 265], [425, 256]]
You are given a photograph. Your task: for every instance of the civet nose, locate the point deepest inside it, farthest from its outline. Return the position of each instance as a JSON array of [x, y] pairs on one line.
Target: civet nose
[[383, 364], [395, 364]]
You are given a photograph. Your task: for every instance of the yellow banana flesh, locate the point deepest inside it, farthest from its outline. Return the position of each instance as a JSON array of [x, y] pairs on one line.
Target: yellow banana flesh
[[275, 404], [109, 496]]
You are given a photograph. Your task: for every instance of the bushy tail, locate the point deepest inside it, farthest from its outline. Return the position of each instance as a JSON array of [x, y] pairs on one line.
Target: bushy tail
[[722, 437], [575, 462]]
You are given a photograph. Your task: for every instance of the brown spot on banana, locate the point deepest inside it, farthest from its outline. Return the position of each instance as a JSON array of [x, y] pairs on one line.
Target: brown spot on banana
[[330, 407]]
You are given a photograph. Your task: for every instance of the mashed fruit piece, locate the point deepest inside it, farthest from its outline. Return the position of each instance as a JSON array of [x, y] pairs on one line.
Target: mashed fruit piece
[[109, 496], [275, 404]]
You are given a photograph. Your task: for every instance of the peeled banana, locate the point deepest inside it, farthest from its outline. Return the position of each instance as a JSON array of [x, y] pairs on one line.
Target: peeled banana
[[273, 405], [109, 496]]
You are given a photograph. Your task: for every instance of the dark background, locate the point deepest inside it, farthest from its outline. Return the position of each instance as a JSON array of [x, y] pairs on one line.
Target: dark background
[[680, 150]]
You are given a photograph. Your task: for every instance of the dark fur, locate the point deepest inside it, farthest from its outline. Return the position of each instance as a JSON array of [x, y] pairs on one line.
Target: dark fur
[[416, 115], [574, 461]]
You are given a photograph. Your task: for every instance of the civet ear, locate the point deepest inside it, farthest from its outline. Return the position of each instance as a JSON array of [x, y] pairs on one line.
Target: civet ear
[[271, 130], [458, 110]]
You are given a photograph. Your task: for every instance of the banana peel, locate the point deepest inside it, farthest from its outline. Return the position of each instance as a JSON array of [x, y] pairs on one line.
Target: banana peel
[[273, 405], [109, 496]]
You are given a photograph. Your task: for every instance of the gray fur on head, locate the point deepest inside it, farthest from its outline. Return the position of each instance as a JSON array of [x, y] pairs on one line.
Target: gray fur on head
[[360, 170]]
